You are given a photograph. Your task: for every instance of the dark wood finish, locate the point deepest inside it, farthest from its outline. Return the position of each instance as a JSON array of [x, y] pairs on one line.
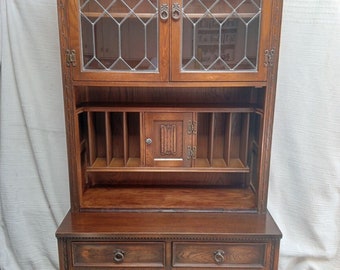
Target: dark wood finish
[[122, 254], [195, 196], [170, 199], [174, 239], [213, 254]]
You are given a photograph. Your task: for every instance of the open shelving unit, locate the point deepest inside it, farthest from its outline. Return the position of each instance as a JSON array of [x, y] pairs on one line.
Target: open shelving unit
[[214, 140]]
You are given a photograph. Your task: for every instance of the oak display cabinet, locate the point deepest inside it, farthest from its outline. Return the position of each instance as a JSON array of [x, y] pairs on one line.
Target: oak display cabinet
[[169, 109]]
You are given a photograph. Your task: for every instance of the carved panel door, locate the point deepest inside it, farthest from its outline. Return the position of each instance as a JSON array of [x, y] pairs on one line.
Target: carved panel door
[[168, 139]]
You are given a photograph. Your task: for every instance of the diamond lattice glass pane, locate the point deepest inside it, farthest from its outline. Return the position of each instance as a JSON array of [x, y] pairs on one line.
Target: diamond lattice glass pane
[[145, 11], [106, 39], [92, 10], [252, 47], [119, 35], [130, 43], [221, 10], [247, 10], [151, 44], [235, 3], [245, 64], [229, 35], [87, 44], [220, 35], [95, 64], [188, 48], [118, 11], [104, 3], [240, 43], [219, 64]]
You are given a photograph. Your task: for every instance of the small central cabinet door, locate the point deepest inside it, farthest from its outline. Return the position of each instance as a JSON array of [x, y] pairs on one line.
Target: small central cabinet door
[[168, 139]]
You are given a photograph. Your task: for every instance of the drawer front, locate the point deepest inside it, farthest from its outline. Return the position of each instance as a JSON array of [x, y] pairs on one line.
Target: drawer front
[[117, 254], [249, 255]]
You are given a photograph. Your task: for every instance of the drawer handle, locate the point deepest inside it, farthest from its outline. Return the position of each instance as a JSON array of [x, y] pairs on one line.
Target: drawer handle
[[219, 256], [118, 255]]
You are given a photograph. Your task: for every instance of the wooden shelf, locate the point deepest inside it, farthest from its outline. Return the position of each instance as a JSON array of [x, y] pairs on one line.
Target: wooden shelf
[[152, 107], [134, 164], [168, 199]]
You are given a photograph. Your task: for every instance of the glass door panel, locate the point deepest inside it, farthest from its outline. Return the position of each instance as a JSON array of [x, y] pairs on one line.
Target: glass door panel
[[119, 37], [221, 37]]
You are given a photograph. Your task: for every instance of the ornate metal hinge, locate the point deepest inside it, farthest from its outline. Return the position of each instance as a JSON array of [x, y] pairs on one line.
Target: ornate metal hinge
[[269, 57], [192, 127], [70, 58], [191, 152]]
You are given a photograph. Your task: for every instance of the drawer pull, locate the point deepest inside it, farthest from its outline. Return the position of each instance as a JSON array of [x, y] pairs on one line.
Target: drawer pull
[[118, 255], [219, 256]]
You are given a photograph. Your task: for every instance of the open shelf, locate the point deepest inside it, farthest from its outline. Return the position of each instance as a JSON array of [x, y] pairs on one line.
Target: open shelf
[[133, 164], [116, 139], [203, 143], [169, 199]]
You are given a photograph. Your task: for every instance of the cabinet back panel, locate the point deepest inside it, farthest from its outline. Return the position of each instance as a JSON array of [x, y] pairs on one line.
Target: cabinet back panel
[[142, 179], [170, 96]]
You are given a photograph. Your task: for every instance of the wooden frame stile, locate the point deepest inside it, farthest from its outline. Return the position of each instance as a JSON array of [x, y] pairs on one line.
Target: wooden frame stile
[[272, 68], [69, 105]]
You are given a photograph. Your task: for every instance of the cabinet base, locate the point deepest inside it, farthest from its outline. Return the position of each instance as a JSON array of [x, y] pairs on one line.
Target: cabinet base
[[124, 240]]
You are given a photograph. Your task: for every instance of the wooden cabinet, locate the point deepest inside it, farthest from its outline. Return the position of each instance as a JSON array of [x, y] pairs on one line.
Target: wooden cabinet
[[169, 109]]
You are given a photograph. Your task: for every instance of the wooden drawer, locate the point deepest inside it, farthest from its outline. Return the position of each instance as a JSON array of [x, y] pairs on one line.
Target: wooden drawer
[[231, 255], [117, 254]]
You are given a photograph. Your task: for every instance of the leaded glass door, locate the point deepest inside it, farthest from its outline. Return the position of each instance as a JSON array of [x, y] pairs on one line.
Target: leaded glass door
[[119, 40], [162, 40], [220, 40]]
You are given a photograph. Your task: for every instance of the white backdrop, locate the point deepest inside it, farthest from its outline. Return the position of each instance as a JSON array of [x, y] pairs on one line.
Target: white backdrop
[[304, 195]]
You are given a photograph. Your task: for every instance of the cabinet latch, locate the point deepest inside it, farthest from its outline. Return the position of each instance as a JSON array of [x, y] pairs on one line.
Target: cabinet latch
[[269, 57], [191, 152], [192, 127], [71, 58]]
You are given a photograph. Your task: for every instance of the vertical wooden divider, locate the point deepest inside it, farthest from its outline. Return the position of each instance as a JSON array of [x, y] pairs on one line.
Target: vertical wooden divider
[[126, 138], [245, 138], [108, 136], [227, 147], [92, 137], [142, 139], [194, 138], [211, 139]]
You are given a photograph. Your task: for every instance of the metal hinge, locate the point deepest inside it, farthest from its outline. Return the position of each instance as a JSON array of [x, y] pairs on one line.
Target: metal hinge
[[269, 57], [192, 127], [70, 58], [191, 152]]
